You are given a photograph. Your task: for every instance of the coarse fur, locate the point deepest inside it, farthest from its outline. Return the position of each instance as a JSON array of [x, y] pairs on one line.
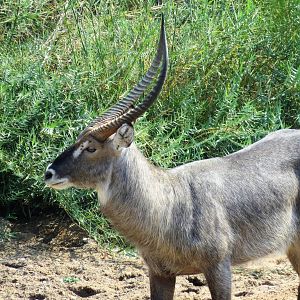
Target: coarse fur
[[201, 217]]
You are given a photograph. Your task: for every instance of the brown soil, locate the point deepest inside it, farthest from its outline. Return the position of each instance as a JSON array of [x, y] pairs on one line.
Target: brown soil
[[53, 259]]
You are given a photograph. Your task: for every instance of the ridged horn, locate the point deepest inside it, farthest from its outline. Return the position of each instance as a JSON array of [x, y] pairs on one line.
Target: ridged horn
[[124, 112]]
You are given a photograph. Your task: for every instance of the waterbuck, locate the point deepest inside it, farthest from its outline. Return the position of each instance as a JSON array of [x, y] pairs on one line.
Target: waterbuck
[[201, 217]]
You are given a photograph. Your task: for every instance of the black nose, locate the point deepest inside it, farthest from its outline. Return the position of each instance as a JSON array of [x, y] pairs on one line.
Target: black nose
[[48, 175]]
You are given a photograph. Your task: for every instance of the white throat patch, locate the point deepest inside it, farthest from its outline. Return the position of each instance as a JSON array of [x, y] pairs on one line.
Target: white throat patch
[[81, 148]]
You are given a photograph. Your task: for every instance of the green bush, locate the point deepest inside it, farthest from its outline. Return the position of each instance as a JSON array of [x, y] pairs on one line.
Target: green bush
[[234, 76]]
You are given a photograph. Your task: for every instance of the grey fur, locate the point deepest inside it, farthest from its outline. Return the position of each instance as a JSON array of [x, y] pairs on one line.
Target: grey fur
[[201, 217]]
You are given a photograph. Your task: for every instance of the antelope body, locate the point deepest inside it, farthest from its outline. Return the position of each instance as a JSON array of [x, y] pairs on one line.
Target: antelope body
[[200, 217]]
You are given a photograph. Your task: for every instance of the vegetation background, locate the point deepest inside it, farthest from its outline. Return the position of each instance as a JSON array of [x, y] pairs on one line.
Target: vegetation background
[[234, 76]]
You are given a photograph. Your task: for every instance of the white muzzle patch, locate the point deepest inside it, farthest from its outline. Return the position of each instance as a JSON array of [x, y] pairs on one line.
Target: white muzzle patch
[[52, 181]]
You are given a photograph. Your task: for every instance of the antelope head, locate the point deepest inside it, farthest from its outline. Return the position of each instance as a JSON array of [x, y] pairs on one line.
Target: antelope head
[[90, 159]]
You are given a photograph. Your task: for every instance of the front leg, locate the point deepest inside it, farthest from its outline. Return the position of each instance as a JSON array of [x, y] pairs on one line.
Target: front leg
[[218, 278], [161, 288]]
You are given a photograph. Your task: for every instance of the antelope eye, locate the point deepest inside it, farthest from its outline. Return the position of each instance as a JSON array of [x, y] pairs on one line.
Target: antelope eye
[[91, 150]]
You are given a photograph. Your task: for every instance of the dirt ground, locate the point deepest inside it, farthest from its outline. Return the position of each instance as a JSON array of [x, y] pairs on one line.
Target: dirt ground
[[54, 259]]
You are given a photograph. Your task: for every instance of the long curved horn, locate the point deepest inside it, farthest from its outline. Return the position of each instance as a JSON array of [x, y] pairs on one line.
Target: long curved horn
[[124, 104], [124, 112]]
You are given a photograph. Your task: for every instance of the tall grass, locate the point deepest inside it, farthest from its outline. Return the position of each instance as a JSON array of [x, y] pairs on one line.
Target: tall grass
[[234, 76]]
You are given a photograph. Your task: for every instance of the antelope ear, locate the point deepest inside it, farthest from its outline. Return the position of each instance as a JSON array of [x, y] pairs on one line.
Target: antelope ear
[[123, 137]]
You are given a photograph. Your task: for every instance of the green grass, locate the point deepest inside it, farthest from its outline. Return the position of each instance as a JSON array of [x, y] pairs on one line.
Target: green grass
[[234, 76]]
